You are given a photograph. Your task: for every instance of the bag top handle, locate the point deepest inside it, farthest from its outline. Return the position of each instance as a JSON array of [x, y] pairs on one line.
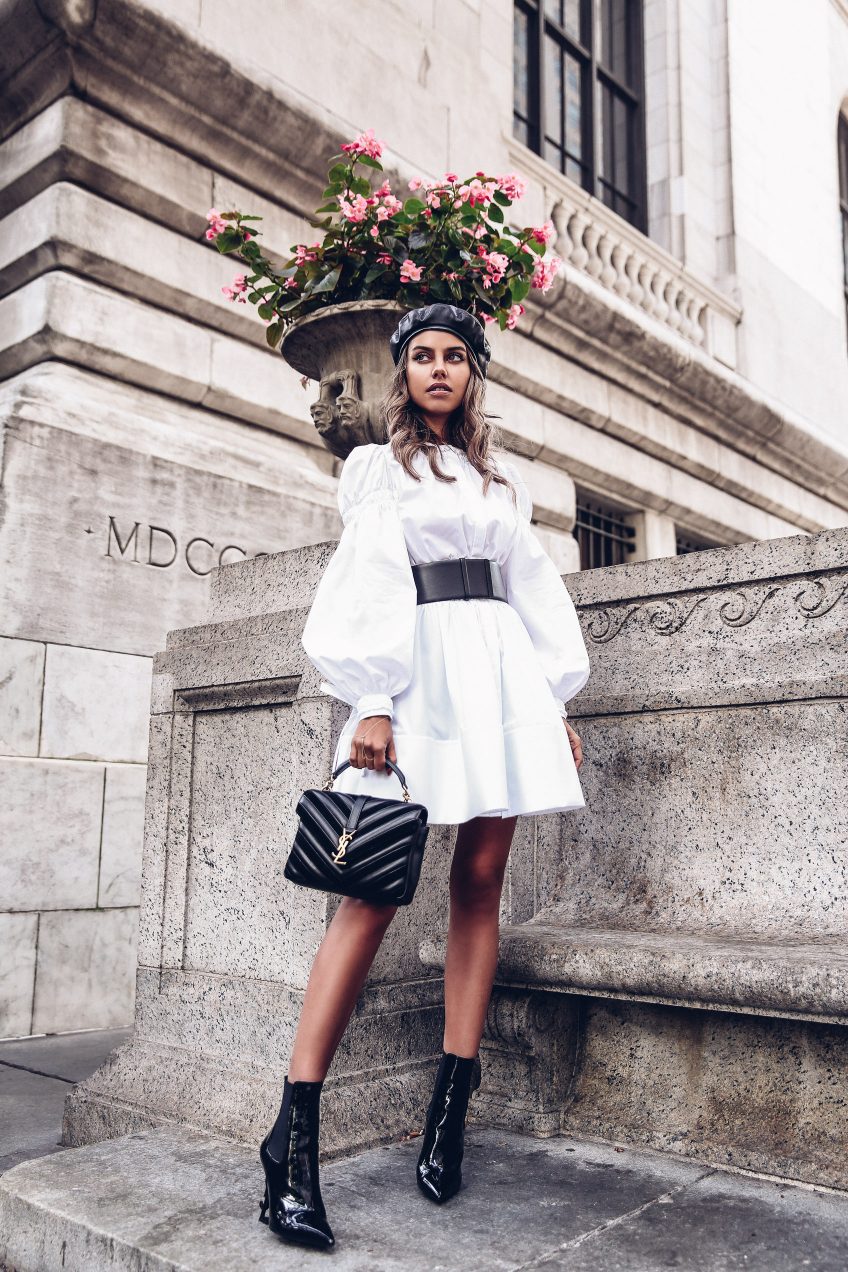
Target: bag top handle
[[390, 764]]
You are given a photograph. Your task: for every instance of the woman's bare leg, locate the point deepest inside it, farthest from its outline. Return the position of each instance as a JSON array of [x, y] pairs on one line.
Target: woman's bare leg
[[476, 880], [338, 973]]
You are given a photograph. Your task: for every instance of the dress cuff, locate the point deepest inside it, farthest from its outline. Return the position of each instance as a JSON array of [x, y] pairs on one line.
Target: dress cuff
[[371, 704], [561, 708]]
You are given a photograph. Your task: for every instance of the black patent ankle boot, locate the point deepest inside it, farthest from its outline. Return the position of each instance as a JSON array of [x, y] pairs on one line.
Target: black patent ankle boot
[[438, 1171], [292, 1205]]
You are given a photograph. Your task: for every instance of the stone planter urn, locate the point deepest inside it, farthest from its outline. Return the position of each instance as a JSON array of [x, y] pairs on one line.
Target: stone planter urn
[[346, 349]]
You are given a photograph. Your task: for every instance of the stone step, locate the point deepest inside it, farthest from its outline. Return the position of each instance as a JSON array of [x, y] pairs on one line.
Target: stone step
[[174, 1198]]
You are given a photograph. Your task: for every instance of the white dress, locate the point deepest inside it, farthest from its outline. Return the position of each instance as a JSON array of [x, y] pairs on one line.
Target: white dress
[[475, 687]]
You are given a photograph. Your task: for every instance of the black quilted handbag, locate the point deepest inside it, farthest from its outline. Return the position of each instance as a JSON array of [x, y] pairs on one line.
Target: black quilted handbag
[[359, 845]]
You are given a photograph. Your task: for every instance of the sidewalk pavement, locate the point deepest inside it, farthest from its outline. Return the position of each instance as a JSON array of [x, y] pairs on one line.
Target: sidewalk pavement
[[182, 1200]]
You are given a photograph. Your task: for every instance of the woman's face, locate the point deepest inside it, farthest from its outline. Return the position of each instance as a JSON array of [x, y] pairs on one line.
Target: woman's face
[[437, 374]]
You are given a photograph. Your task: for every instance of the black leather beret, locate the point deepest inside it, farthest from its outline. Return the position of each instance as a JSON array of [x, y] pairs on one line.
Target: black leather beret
[[441, 317]]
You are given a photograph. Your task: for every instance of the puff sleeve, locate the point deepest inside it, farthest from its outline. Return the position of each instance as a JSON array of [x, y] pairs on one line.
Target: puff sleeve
[[360, 629], [536, 590]]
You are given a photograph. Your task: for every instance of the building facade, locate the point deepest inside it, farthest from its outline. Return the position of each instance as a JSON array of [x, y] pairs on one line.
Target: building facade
[[685, 385]]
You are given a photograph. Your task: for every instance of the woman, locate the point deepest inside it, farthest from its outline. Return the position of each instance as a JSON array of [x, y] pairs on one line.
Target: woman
[[469, 690]]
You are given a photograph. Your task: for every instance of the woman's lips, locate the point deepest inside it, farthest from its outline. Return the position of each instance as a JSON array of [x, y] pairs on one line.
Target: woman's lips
[[440, 389]]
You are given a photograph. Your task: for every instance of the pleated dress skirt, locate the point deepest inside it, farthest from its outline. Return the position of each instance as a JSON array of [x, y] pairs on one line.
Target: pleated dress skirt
[[477, 731]]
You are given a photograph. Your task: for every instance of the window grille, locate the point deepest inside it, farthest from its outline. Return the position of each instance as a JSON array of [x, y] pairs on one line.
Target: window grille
[[689, 543], [603, 535]]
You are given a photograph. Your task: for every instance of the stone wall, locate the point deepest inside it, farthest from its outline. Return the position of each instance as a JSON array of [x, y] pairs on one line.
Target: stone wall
[[683, 933]]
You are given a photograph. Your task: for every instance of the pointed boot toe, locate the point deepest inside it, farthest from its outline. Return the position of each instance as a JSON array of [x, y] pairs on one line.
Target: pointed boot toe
[[438, 1171], [292, 1206]]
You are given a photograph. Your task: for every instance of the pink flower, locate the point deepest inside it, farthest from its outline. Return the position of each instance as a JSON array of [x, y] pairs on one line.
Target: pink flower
[[365, 144], [356, 210], [232, 294], [512, 185], [302, 254], [488, 318], [545, 233], [545, 272], [410, 272], [240, 283], [514, 314], [385, 189], [451, 274], [217, 226], [416, 183], [451, 176], [374, 231], [291, 282], [247, 236], [384, 259]]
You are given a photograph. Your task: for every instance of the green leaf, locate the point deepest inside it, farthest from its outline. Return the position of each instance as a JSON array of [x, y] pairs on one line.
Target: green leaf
[[414, 205], [289, 305], [371, 163], [273, 334], [328, 207], [502, 320], [266, 311], [502, 199], [374, 272], [538, 248], [495, 213], [520, 288], [418, 239], [328, 282], [338, 172], [360, 185], [228, 241]]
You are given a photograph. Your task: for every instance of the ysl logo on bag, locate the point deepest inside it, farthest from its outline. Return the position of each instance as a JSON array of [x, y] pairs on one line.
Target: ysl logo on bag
[[344, 839]]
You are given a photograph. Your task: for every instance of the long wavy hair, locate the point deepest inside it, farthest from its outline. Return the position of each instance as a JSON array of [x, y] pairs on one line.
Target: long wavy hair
[[468, 427]]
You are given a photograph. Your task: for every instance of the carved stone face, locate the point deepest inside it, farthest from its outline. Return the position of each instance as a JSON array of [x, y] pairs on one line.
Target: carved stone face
[[323, 415], [350, 410]]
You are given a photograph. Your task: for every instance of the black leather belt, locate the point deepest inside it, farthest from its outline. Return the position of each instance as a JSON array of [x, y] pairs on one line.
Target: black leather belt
[[459, 578]]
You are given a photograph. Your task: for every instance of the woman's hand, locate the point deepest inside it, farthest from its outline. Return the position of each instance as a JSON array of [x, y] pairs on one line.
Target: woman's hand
[[576, 744], [371, 742]]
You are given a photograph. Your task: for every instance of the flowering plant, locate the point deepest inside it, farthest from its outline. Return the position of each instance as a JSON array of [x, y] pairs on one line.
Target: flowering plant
[[449, 242]]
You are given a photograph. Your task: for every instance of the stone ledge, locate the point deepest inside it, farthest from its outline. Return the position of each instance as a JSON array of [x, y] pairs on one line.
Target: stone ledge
[[801, 977]]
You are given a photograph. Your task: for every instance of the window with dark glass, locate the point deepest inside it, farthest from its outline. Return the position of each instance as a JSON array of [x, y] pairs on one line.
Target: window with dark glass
[[842, 145], [602, 534], [692, 543], [578, 98]]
